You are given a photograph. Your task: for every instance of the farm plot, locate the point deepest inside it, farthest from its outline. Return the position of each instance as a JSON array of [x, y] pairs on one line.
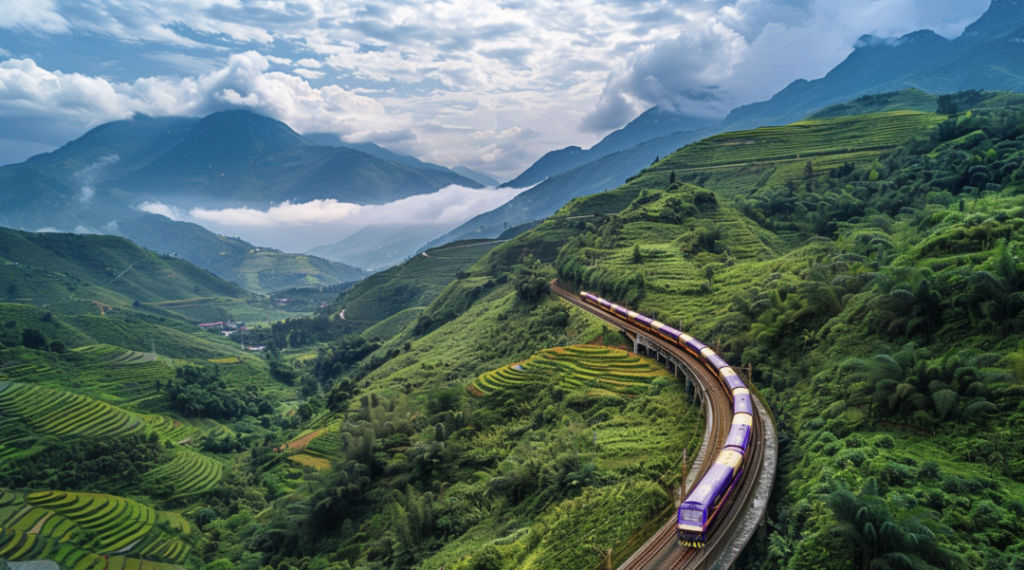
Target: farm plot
[[318, 463], [330, 442], [189, 472], [598, 370], [120, 375], [114, 524], [57, 412]]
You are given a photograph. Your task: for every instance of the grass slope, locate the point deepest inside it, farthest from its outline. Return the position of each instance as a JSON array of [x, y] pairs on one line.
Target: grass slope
[[257, 269], [415, 283]]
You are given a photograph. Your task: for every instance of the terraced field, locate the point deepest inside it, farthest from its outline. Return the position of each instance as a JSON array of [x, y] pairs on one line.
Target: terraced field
[[60, 413], [77, 529], [598, 370], [122, 376], [842, 135], [188, 473], [734, 164], [318, 463], [329, 442]]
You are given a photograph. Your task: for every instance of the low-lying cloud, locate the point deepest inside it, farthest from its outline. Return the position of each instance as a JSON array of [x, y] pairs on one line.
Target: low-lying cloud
[[87, 176], [301, 226]]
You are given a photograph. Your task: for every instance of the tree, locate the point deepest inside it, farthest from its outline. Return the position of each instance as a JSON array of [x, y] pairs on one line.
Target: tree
[[672, 177], [58, 347], [880, 540], [34, 339], [637, 256]]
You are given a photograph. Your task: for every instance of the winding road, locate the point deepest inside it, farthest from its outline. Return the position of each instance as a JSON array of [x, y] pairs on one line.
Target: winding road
[[747, 506]]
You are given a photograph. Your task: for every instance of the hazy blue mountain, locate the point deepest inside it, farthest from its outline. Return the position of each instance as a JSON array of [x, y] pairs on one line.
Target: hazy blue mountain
[[258, 269], [331, 139], [232, 158], [547, 197], [479, 177], [240, 156], [381, 246], [988, 55], [652, 124]]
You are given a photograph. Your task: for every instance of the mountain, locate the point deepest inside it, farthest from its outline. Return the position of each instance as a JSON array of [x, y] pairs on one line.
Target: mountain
[[80, 271], [652, 124], [240, 156], [479, 177], [906, 100], [258, 269], [547, 197], [228, 158], [94, 185], [333, 140], [381, 246], [988, 55]]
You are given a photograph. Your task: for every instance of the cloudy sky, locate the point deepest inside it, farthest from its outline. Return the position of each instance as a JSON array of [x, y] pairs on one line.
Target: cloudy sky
[[488, 84]]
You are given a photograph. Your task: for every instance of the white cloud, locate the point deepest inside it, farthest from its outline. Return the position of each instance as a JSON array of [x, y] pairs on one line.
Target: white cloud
[[308, 73], [34, 16], [87, 176], [307, 62], [299, 226], [284, 214], [27, 91], [161, 209]]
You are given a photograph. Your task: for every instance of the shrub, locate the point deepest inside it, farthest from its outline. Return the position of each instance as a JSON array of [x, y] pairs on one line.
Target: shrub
[[34, 339]]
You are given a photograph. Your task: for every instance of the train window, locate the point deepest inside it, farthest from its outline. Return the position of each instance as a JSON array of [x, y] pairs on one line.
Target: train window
[[693, 516]]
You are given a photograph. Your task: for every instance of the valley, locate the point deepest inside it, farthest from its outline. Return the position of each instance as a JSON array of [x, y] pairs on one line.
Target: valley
[[784, 335]]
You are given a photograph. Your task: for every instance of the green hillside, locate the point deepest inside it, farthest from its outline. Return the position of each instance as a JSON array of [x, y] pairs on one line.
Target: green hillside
[[69, 270], [415, 283], [770, 156], [256, 269], [905, 100]]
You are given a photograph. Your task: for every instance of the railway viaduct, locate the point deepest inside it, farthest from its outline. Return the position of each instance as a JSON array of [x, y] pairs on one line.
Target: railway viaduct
[[748, 507]]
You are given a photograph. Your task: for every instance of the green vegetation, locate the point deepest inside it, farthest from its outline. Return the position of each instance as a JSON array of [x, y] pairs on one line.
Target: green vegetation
[[606, 371], [256, 269], [75, 528], [460, 416], [906, 100], [415, 283], [882, 329]]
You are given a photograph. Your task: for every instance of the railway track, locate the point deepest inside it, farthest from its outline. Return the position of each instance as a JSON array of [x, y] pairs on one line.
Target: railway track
[[729, 533]]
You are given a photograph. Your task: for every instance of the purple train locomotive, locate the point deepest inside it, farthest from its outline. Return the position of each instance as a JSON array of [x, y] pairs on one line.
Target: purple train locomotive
[[702, 505]]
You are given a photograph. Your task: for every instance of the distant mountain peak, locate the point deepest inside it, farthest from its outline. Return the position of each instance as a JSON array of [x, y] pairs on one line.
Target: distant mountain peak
[[1002, 17]]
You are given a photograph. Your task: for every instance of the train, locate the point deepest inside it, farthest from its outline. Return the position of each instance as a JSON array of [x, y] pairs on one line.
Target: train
[[703, 504]]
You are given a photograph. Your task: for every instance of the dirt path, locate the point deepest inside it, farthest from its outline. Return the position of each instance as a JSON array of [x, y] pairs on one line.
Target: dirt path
[[39, 525], [303, 441]]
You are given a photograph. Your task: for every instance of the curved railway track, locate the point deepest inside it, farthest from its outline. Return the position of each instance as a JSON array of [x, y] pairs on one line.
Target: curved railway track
[[729, 533]]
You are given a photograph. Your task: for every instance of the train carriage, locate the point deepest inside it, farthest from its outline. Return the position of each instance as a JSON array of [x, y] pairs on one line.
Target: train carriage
[[700, 508], [731, 379], [739, 435], [741, 402], [712, 360], [692, 345], [702, 505]]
